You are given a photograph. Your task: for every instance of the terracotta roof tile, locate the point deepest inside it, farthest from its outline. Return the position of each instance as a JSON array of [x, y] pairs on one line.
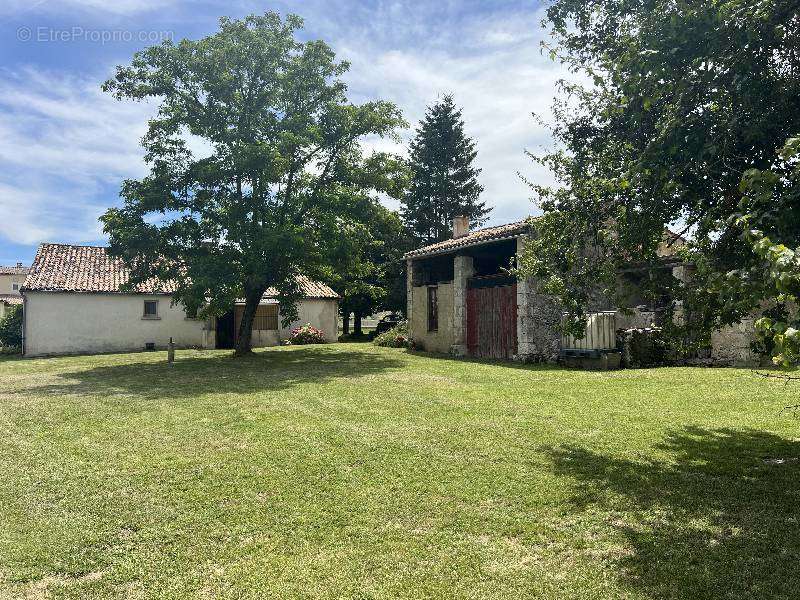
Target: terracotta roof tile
[[66, 268], [10, 299], [473, 238], [310, 289]]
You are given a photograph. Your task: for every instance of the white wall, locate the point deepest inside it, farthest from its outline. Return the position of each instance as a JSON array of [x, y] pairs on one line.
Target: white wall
[[69, 323], [7, 283], [322, 314]]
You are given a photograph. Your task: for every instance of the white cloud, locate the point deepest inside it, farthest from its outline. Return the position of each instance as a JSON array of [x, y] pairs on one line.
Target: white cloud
[[65, 146], [500, 80], [64, 149], [117, 7]]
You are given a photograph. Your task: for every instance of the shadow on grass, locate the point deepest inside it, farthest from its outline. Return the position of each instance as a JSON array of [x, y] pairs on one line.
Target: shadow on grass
[[192, 376], [718, 518], [496, 362]]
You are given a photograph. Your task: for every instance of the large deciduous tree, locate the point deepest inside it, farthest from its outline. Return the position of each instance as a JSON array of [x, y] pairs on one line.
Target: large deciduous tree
[[444, 183], [247, 211], [681, 99]]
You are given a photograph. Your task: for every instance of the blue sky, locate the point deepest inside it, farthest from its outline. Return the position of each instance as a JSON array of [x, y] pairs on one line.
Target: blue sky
[[65, 147]]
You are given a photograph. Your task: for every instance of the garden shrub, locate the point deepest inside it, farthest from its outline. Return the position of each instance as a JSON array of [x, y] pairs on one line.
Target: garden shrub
[[307, 334], [397, 337], [11, 328], [643, 348]]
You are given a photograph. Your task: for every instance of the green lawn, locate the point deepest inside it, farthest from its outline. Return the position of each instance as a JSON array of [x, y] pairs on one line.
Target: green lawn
[[353, 471]]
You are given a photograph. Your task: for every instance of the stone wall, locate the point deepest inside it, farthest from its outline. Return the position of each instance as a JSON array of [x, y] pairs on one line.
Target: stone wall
[[538, 318], [439, 341], [730, 346]]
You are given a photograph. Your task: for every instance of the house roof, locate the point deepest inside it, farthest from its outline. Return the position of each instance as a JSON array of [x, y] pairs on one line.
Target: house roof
[[90, 269], [18, 270], [66, 268], [309, 288], [10, 299], [473, 238]]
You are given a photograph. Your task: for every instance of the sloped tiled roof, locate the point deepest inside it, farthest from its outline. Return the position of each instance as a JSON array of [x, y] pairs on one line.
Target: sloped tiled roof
[[309, 288], [13, 270], [10, 299], [66, 268], [473, 238]]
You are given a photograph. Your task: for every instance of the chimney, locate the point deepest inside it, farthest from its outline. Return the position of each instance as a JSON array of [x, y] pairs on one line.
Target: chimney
[[460, 227]]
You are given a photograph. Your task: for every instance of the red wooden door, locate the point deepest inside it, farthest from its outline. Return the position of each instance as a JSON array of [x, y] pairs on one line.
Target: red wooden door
[[492, 321]]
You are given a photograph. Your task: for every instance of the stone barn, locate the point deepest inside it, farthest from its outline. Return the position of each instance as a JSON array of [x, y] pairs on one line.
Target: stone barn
[[463, 301]]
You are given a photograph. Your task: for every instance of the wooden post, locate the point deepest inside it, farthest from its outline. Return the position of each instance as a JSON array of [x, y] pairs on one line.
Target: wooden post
[[171, 352]]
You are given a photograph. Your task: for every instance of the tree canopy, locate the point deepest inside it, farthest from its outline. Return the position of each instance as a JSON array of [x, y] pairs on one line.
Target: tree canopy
[[680, 101], [444, 183], [249, 210], [365, 252]]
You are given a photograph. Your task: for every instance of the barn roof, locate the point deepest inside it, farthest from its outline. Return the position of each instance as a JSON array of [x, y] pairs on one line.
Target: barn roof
[[672, 241], [90, 269], [473, 238]]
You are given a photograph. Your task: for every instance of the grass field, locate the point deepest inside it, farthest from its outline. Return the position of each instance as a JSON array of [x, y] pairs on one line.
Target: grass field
[[353, 471]]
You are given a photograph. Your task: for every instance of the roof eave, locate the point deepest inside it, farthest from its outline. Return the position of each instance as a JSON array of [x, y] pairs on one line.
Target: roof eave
[[412, 255]]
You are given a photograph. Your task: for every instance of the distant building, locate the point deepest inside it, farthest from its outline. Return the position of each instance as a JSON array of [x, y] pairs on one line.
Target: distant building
[[74, 305], [11, 281]]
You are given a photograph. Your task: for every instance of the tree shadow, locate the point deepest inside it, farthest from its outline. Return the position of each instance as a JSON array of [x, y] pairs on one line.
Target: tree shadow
[[196, 375], [495, 362], [716, 518]]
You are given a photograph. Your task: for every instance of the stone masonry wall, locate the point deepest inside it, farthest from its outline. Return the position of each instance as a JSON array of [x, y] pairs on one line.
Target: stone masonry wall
[[538, 318], [730, 346]]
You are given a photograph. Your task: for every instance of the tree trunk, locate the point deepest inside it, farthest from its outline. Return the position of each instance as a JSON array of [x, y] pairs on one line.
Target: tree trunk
[[356, 323], [244, 341], [346, 321]]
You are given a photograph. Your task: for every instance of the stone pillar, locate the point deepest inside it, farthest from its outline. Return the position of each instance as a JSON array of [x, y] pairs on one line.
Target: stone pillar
[[409, 295], [463, 269]]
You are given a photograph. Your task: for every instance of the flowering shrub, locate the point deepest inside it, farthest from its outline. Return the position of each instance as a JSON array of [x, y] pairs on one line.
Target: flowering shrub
[[397, 337], [307, 334]]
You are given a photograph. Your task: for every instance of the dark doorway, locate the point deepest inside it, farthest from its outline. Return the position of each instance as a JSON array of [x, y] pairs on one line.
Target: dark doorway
[[226, 335]]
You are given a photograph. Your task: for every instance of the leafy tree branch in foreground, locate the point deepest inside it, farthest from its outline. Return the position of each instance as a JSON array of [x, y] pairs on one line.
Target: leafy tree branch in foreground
[[680, 101]]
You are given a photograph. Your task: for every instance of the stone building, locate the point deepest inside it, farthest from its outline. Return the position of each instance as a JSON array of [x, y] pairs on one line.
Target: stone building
[[11, 281], [463, 301]]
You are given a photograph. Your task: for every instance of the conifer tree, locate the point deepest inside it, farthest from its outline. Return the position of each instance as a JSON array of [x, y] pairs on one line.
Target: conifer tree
[[444, 183]]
